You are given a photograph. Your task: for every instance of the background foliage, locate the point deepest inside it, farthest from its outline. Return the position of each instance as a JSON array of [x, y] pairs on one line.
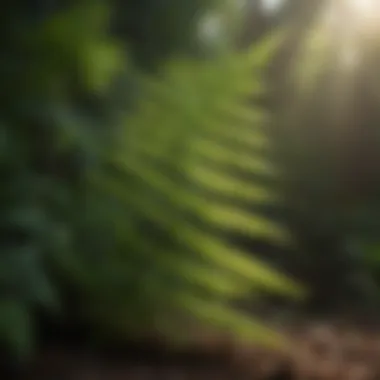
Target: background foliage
[[155, 155], [119, 185]]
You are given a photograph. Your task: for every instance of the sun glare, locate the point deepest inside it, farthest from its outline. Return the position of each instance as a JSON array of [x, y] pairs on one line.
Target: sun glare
[[364, 14], [365, 7], [341, 46], [354, 25]]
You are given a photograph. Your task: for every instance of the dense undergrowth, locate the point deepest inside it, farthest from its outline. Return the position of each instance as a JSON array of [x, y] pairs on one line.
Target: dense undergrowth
[[119, 185]]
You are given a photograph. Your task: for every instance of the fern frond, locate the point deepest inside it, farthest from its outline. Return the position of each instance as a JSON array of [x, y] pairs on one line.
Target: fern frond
[[171, 157]]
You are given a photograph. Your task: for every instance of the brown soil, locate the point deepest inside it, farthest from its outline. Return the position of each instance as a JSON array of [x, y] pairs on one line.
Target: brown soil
[[315, 352]]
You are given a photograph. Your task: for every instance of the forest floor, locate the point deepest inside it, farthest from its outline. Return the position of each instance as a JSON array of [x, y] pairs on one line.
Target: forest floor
[[323, 351]]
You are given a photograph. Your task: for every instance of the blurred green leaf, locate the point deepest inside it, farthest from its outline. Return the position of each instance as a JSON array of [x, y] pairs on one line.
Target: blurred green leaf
[[16, 327]]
